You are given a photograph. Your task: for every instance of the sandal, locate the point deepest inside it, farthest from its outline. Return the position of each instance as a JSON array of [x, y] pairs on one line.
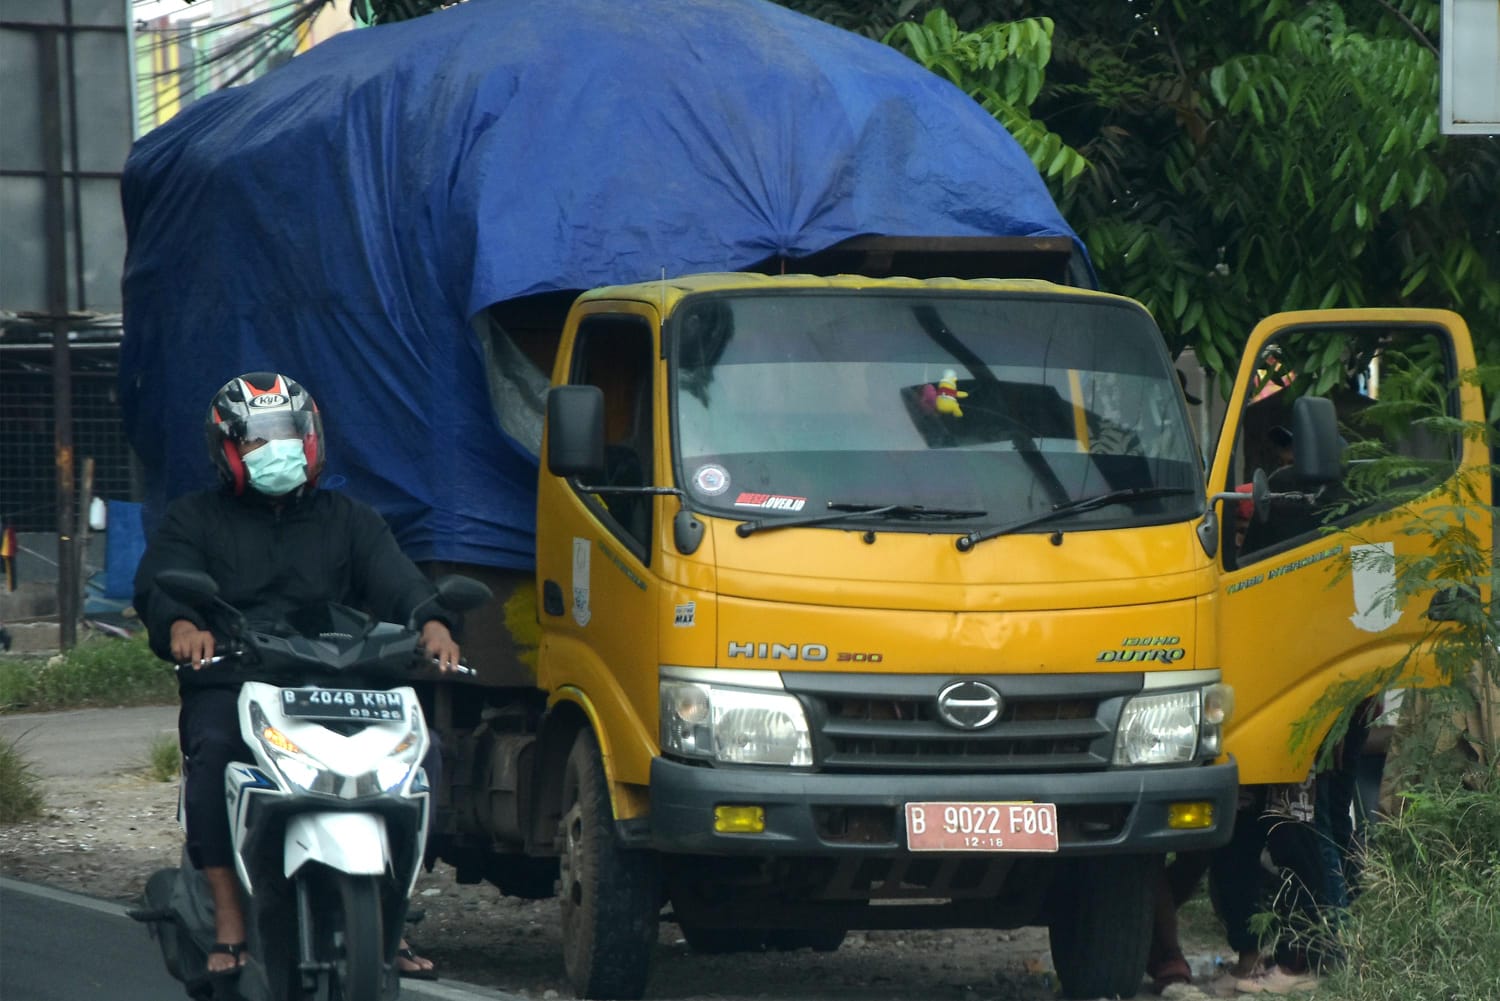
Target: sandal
[[202, 986], [1168, 971], [235, 950], [415, 972]]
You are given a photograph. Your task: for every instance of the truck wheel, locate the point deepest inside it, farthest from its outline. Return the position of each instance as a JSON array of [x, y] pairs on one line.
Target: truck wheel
[[1101, 925], [610, 896]]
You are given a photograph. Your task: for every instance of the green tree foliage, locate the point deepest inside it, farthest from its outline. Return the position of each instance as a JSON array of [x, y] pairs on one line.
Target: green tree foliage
[[1002, 66], [1256, 155]]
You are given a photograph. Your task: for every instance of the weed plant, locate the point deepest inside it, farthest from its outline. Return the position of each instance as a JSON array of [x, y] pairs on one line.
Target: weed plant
[[163, 759], [20, 788], [98, 672], [1426, 926]]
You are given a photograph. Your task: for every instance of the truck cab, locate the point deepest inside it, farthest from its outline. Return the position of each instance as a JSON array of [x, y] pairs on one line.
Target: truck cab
[[892, 603], [881, 603]]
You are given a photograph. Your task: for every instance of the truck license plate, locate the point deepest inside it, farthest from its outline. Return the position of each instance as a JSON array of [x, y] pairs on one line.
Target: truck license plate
[[981, 827], [342, 703]]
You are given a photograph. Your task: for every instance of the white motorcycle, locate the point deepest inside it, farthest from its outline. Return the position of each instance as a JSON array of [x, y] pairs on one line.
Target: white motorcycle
[[330, 820]]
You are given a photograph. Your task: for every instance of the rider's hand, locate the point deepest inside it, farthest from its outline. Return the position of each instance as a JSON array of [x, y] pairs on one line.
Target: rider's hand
[[191, 645], [439, 644]]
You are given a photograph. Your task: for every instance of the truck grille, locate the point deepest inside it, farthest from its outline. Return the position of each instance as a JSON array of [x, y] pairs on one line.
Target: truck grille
[[891, 722]]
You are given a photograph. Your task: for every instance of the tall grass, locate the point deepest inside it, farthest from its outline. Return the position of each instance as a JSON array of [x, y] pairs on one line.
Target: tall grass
[[98, 672], [1427, 925], [163, 760], [20, 788]]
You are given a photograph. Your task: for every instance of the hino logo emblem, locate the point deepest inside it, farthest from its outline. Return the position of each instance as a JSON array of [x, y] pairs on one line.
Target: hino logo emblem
[[969, 705]]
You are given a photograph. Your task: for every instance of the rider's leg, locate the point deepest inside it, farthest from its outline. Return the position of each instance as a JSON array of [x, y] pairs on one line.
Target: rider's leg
[[209, 732], [229, 921]]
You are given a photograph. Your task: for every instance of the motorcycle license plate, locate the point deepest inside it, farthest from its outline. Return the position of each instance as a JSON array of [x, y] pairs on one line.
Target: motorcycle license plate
[[981, 827], [342, 704]]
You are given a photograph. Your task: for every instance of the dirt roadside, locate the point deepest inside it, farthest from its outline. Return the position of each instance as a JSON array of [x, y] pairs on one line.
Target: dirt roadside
[[107, 828]]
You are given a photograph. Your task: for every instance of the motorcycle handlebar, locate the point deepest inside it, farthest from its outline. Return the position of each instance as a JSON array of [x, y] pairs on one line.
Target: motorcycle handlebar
[[459, 668]]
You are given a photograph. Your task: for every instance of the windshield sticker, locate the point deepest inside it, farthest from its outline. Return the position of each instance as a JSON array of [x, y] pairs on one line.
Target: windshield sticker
[[711, 480], [685, 615], [1373, 568], [581, 612], [770, 502], [1161, 648]]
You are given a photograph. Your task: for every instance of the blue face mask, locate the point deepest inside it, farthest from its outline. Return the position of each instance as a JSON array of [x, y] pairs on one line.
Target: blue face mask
[[277, 467]]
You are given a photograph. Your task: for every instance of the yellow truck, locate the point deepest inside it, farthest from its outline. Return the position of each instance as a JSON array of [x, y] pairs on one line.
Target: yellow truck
[[892, 603]]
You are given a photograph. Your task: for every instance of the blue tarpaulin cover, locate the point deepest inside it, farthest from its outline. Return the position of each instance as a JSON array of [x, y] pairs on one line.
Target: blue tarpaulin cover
[[344, 217]]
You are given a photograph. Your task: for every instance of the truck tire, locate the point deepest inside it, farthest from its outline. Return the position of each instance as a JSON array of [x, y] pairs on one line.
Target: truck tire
[[1100, 925], [610, 896]]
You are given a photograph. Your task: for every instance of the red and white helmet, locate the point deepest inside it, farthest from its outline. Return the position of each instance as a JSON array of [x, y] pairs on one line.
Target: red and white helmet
[[261, 406]]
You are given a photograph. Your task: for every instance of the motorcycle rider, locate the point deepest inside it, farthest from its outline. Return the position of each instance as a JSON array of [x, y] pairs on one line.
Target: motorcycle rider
[[273, 543]]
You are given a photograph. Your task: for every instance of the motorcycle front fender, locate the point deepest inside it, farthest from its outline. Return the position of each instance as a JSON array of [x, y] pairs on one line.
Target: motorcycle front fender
[[356, 843]]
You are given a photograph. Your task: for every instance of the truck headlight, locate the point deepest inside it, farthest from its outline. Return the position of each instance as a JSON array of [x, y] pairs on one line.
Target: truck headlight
[[1168, 728], [733, 725]]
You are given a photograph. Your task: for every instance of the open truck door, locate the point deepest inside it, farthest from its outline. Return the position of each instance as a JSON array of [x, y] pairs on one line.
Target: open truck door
[[1305, 596]]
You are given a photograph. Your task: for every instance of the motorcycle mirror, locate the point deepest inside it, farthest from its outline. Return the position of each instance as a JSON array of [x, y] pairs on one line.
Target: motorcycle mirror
[[456, 593], [198, 590], [461, 594], [193, 588]]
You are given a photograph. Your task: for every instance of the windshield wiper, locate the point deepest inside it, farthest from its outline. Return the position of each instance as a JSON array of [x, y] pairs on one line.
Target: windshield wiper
[[842, 511], [1082, 504]]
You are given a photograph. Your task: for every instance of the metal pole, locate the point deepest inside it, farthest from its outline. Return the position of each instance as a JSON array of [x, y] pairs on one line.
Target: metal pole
[[57, 306]]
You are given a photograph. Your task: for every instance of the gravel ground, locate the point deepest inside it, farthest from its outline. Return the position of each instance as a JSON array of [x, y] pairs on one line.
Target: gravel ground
[[103, 835]]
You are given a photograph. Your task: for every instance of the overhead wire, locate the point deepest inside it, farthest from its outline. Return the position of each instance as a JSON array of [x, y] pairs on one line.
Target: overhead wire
[[220, 53]]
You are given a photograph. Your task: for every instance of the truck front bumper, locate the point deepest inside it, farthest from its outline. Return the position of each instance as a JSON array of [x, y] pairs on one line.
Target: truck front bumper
[[1106, 812]]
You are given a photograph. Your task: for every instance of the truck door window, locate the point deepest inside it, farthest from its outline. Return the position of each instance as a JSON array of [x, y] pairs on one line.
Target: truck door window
[[614, 353], [1356, 368]]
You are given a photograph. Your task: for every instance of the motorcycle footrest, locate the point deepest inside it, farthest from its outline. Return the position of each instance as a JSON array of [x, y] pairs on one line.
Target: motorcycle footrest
[[151, 914]]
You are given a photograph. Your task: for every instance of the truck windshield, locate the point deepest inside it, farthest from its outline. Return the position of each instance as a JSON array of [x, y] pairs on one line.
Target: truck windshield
[[997, 406]]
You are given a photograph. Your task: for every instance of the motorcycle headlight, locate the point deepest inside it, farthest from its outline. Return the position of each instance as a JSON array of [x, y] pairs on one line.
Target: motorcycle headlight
[[290, 761], [1168, 728], [733, 725], [304, 771]]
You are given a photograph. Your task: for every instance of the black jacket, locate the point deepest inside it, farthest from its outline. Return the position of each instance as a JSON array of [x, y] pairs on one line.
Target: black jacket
[[272, 559]]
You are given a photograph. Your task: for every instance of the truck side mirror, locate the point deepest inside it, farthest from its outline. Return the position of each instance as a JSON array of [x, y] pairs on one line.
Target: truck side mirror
[[575, 432], [1318, 451]]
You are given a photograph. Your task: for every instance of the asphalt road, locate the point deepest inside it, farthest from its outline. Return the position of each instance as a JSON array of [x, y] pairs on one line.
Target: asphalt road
[[62, 947], [59, 946], [82, 743]]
